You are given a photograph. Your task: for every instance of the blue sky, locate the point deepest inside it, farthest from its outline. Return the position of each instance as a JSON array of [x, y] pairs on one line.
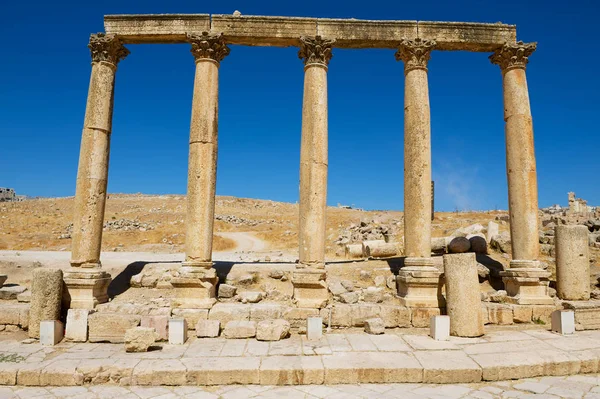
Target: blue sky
[[45, 74]]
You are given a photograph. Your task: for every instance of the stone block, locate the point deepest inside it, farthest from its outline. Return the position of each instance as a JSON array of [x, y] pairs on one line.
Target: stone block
[[341, 315], [421, 317], [24, 296], [572, 262], [522, 313], [208, 328], [364, 311], [177, 331], [3, 278], [227, 291], [139, 339], [291, 370], [394, 316], [272, 330], [191, 316], [226, 312], [500, 314], [46, 298], [110, 327], [443, 367], [14, 314], [297, 316], [51, 332], [587, 314], [542, 313], [440, 328], [159, 372], [240, 329], [77, 325], [374, 326], [563, 322], [266, 311], [373, 295], [222, 370], [160, 325], [314, 328], [371, 367], [11, 292]]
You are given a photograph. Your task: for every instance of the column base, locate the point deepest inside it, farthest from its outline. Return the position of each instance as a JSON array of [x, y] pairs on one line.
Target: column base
[[419, 284], [199, 264], [311, 265], [310, 288], [85, 288], [526, 283], [195, 288]]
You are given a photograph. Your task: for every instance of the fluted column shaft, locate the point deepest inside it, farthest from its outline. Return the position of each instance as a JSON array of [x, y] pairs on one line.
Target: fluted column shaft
[[208, 51], [90, 195], [520, 154], [417, 148], [316, 53]]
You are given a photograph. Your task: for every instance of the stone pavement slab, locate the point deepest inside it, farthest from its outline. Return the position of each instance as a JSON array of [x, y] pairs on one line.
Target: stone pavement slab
[[337, 358]]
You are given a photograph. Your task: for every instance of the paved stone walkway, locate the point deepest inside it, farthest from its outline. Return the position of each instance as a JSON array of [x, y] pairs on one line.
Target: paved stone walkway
[[339, 358], [578, 386]]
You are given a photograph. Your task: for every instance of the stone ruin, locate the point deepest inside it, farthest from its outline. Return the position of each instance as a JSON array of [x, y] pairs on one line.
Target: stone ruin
[[200, 296]]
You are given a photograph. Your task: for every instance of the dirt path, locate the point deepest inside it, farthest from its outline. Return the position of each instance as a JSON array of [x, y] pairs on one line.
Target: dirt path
[[245, 241]]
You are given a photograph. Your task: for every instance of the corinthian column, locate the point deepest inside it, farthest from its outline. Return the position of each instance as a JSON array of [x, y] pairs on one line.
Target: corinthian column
[[526, 282], [86, 283], [418, 280], [197, 281], [316, 53]]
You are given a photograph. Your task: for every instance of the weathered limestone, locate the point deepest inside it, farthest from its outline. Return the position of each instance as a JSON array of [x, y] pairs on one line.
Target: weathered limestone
[[272, 330], [159, 323], [418, 280], [463, 297], [86, 283], [208, 328], [240, 329], [526, 282], [77, 325], [196, 284], [284, 31], [572, 263], [374, 326], [316, 53], [139, 339], [46, 297], [382, 250], [310, 288], [111, 327]]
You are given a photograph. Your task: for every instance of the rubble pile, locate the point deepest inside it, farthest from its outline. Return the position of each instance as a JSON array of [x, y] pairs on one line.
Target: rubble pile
[[367, 231], [241, 221]]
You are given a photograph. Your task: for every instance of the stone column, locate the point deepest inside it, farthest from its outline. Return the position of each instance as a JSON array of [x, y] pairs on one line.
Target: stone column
[[526, 282], [197, 281], [463, 296], [310, 289], [572, 263], [418, 280], [86, 283]]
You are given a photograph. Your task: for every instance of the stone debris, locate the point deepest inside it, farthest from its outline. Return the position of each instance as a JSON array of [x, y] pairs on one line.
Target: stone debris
[[240, 329], [272, 330], [374, 326], [139, 339], [276, 274], [350, 297], [379, 281], [127, 225], [372, 295], [239, 221], [250, 296], [501, 242], [160, 325], [46, 298], [227, 291], [9, 292], [24, 296], [372, 230]]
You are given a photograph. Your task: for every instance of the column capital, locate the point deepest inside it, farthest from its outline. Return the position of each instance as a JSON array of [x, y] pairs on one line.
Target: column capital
[[315, 50], [415, 53], [207, 46], [513, 55], [107, 48]]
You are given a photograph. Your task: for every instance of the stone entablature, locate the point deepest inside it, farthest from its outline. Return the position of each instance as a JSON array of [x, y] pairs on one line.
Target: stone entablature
[[286, 31]]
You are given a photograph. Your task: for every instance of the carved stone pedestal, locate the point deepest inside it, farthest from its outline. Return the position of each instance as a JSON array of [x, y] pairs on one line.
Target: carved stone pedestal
[[526, 283], [419, 284], [310, 288], [85, 288], [195, 288]]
